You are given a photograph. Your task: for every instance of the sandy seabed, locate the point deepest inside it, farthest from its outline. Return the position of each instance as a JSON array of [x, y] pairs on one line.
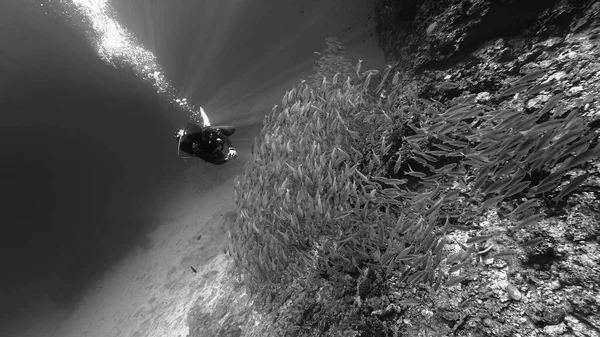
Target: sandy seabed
[[150, 292]]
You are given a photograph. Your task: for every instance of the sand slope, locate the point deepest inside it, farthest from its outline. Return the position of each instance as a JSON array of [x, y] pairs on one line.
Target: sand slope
[[150, 292]]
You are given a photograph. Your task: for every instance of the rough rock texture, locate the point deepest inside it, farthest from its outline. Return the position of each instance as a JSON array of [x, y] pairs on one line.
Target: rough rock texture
[[420, 34], [571, 62], [482, 47]]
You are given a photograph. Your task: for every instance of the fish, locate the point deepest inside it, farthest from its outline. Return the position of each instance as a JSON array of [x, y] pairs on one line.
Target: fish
[[454, 257], [437, 153], [391, 193], [452, 195], [539, 88], [466, 254], [549, 183], [433, 177], [510, 120], [514, 89], [491, 202], [391, 181], [455, 280], [421, 161], [577, 146], [528, 221], [470, 113], [428, 157], [477, 157], [505, 169], [533, 242], [425, 101], [414, 173], [416, 277], [194, 270], [348, 85], [537, 156], [488, 147], [382, 148], [377, 159], [481, 179], [410, 108], [456, 116], [532, 76], [458, 143], [387, 149], [447, 168], [416, 262], [480, 238], [583, 158], [553, 123], [519, 187], [497, 186], [386, 73], [455, 108], [395, 78], [551, 103], [505, 253], [571, 186], [367, 80], [415, 146], [448, 85], [456, 174], [495, 115], [410, 302], [512, 141], [524, 206], [370, 166], [446, 128], [457, 267], [526, 145], [567, 138], [294, 220], [524, 126], [435, 207], [441, 243], [443, 147]]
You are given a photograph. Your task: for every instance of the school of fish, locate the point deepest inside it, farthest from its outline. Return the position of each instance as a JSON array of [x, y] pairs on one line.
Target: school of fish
[[314, 198]]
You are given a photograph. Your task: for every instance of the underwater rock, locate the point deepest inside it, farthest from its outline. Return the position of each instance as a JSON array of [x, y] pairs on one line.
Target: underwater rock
[[513, 292], [422, 34]]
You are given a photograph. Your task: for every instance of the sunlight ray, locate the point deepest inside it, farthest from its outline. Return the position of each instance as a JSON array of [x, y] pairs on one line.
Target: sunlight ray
[[119, 47]]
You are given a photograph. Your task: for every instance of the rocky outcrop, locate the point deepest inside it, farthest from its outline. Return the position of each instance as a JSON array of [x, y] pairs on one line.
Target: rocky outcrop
[[455, 48], [425, 34]]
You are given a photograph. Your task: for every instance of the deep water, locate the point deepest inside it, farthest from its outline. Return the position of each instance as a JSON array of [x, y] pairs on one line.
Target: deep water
[[87, 160], [89, 165]]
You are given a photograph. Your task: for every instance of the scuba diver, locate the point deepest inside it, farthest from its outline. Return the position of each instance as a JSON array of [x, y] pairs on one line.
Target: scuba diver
[[206, 142]]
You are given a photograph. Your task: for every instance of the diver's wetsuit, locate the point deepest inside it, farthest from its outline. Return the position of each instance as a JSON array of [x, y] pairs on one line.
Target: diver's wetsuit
[[202, 142]]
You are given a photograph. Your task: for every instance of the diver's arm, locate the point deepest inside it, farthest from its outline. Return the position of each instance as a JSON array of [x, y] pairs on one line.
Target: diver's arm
[[225, 139], [231, 153]]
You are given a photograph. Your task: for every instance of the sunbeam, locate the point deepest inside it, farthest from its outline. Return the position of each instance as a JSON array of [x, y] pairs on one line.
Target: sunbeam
[[119, 47], [210, 70]]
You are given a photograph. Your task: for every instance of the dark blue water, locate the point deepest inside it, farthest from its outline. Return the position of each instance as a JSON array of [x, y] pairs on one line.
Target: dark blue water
[[86, 153], [88, 159]]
